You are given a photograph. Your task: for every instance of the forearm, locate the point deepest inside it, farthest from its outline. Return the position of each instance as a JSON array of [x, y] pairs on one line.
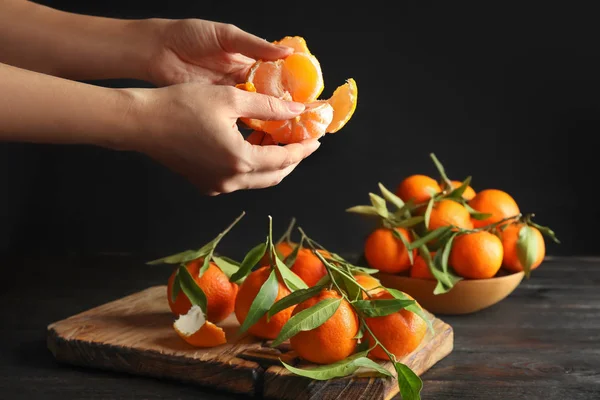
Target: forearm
[[73, 46], [39, 108]]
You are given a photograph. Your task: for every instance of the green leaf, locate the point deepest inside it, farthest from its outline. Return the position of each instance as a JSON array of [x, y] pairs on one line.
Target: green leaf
[[364, 270], [308, 319], [406, 244], [445, 255], [294, 298], [391, 197], [445, 281], [262, 302], [359, 335], [405, 210], [176, 287], [474, 213], [339, 369], [292, 281], [352, 288], [363, 210], [191, 289], [409, 383], [527, 248], [428, 211], [440, 169], [434, 234], [544, 230], [414, 308], [250, 260], [205, 263], [179, 258], [291, 258], [379, 205], [409, 222], [380, 308], [227, 265], [459, 191], [365, 362]]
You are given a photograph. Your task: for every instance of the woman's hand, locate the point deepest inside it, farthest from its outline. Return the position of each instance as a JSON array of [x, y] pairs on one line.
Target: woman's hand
[[194, 50], [191, 128]]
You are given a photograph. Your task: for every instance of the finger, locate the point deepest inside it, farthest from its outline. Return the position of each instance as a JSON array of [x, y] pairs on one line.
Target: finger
[[261, 180], [274, 158], [236, 40], [263, 107]]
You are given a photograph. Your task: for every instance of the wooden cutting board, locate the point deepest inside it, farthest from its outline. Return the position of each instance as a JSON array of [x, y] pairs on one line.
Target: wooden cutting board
[[135, 335]]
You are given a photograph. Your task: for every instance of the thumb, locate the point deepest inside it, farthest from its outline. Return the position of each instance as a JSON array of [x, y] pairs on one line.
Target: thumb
[[236, 40], [265, 107]]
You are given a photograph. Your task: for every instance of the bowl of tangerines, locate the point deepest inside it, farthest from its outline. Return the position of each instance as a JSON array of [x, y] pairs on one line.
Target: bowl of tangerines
[[455, 250]]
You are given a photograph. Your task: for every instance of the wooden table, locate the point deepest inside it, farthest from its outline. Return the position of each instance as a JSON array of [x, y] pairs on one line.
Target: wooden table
[[542, 342]]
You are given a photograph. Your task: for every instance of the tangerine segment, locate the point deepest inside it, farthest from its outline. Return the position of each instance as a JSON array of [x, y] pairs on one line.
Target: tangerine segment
[[311, 124], [297, 77], [343, 101], [260, 139], [194, 329], [295, 42]]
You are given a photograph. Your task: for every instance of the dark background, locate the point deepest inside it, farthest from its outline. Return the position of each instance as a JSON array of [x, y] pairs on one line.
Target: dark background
[[505, 93]]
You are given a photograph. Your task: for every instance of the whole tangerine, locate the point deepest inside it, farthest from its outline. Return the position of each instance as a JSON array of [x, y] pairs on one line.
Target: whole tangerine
[[387, 253], [418, 188], [449, 213], [496, 202], [400, 333], [509, 237], [333, 340], [476, 255]]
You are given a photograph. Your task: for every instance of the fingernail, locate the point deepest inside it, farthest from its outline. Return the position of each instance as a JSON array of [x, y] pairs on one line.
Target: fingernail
[[284, 48], [295, 107], [314, 145]]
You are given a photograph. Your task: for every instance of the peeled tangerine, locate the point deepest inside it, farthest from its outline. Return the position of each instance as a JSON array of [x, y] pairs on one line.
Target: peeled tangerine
[[197, 331], [298, 77]]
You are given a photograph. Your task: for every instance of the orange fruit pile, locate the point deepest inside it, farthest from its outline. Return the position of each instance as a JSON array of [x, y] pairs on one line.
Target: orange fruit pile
[[483, 232], [298, 77]]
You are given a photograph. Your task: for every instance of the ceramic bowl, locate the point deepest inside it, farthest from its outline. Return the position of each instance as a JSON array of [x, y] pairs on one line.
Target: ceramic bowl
[[467, 296]]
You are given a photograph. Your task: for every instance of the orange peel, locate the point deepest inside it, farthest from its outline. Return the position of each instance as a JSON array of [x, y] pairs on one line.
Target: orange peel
[[197, 331]]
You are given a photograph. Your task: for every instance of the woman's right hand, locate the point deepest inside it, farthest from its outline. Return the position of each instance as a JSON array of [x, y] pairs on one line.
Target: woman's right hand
[[192, 129]]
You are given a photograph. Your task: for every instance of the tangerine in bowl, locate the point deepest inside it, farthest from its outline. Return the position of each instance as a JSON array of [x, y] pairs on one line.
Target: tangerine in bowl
[[454, 249]]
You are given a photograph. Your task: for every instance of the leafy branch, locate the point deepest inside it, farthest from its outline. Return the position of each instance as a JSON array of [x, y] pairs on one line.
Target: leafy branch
[[184, 281], [340, 277]]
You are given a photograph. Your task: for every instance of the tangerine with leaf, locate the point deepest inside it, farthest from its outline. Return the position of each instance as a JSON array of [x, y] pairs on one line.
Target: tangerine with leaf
[[250, 288], [220, 293], [417, 188], [334, 339], [400, 332], [498, 203]]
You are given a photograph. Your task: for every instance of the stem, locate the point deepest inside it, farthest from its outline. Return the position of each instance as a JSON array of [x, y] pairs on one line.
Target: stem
[[287, 234], [271, 247], [377, 342], [441, 170], [222, 234], [494, 224]]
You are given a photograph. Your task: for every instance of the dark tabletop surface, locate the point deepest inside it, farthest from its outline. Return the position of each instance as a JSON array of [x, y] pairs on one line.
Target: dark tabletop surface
[[542, 342]]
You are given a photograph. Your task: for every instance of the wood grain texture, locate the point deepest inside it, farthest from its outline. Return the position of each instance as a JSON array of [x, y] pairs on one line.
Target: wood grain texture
[[135, 335]]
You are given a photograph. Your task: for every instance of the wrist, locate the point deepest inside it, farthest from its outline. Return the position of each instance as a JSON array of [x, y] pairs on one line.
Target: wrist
[[141, 120], [143, 39]]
